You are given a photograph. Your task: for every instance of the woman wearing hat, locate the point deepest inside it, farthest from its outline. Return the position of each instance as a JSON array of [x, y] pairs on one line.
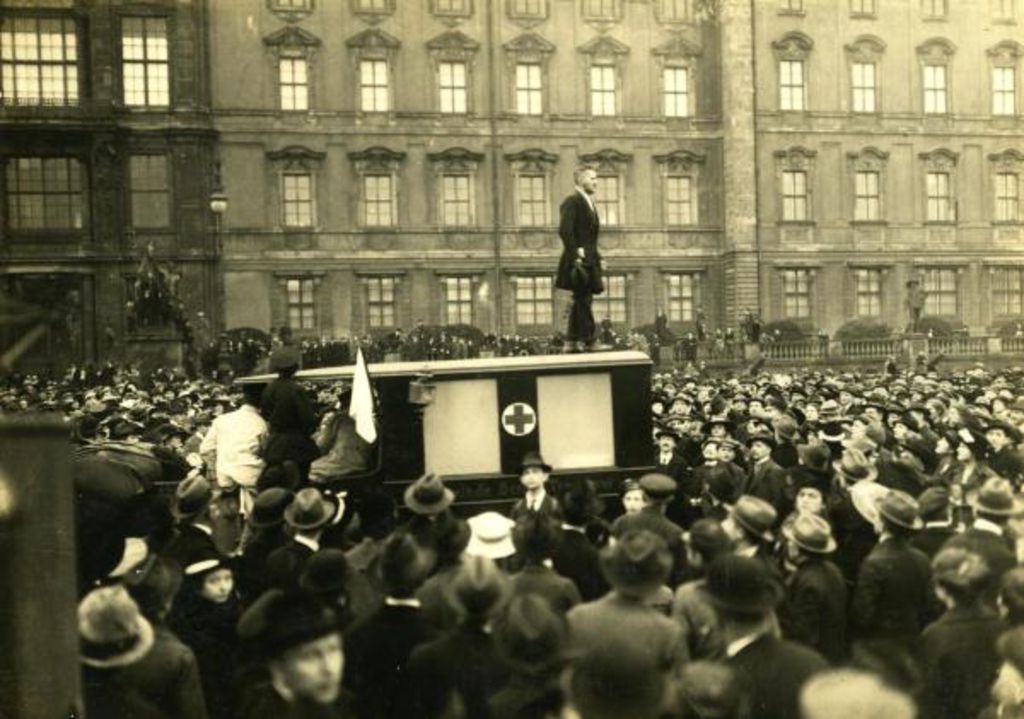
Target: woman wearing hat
[[289, 414], [204, 616]]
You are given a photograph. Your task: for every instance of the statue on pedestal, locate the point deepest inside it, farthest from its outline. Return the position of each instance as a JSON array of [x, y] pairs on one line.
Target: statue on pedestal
[[914, 303]]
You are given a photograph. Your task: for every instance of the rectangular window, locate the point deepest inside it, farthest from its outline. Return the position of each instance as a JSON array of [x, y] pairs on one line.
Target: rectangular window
[[675, 10], [527, 8], [796, 294], [935, 89], [452, 77], [1004, 91], [792, 5], [602, 90], [301, 304], [456, 202], [940, 202], [933, 9], [44, 193], [680, 208], [862, 81], [528, 88], [373, 5], [150, 191], [869, 292], [677, 91], [297, 199], [373, 85], [611, 304], [1007, 197], [862, 7], [38, 61], [144, 62], [867, 198], [533, 202], [378, 201], [292, 4], [607, 199], [941, 294], [458, 300], [791, 85], [1008, 291], [794, 196], [533, 300], [380, 301], [294, 82], [451, 7], [683, 296], [1006, 9], [599, 9]]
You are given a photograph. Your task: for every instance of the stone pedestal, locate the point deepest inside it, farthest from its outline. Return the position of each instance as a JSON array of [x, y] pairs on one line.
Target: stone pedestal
[[914, 344], [155, 351], [751, 351]]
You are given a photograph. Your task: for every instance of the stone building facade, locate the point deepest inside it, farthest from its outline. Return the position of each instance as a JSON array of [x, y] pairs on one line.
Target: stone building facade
[[106, 147]]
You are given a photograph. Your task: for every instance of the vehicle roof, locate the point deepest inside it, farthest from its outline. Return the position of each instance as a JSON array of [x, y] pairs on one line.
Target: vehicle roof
[[469, 366]]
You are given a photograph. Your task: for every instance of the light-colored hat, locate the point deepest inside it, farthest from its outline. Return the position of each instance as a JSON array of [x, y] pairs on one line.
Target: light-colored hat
[[112, 630], [491, 536]]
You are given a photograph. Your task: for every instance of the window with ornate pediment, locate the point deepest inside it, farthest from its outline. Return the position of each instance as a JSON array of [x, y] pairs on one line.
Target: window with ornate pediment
[[292, 50], [609, 201], [939, 167], [676, 61], [605, 58], [291, 10], [680, 173], [532, 170], [795, 168], [527, 58], [867, 176], [294, 170], [377, 168], [455, 171], [792, 52], [373, 56], [864, 56], [1007, 185], [373, 11], [1004, 59], [452, 53], [936, 58]]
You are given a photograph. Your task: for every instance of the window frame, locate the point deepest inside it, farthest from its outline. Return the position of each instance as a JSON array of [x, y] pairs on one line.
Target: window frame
[[862, 90], [934, 92], [145, 62], [286, 202], [536, 301], [166, 192], [941, 295], [797, 286], [463, 300], [783, 86], [1003, 92], [875, 277], [613, 304], [73, 89], [600, 204], [288, 56], [447, 202], [389, 202], [604, 69], [303, 305], [453, 89], [1007, 200], [689, 284], [77, 200], [531, 93], [377, 91], [686, 95], [1007, 306], [382, 305], [543, 202]]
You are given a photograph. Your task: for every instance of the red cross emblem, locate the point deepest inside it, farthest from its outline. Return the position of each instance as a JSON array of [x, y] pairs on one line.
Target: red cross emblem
[[518, 419]]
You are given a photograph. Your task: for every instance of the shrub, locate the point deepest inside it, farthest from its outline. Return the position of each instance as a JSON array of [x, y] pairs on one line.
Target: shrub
[[863, 329], [939, 326], [783, 330], [1009, 328], [650, 331]]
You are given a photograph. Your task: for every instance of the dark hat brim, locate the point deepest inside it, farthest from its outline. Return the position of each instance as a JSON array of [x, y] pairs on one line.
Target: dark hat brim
[[429, 509], [325, 516]]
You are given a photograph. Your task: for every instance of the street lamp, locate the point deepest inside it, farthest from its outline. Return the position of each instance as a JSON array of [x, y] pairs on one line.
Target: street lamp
[[218, 206]]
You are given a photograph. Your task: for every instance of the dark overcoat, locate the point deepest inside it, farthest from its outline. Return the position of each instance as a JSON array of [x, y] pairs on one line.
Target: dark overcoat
[[578, 228]]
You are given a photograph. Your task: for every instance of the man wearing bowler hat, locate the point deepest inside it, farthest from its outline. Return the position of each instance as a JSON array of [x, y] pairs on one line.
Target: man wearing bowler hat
[[766, 479], [814, 610], [191, 507], [891, 601], [266, 527], [533, 475], [771, 670]]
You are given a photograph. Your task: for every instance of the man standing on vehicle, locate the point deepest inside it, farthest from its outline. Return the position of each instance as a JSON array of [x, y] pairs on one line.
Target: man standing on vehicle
[[579, 269]]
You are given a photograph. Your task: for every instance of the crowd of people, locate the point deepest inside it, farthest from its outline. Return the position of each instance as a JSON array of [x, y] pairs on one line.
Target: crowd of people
[[813, 544]]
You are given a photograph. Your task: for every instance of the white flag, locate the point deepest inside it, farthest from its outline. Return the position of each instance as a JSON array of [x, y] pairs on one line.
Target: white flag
[[361, 407]]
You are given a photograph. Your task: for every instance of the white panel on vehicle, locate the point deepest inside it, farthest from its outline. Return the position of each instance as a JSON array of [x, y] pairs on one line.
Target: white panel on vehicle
[[460, 431], [575, 414]]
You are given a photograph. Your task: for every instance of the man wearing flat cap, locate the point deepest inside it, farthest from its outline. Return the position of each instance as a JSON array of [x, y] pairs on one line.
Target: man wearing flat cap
[[658, 491]]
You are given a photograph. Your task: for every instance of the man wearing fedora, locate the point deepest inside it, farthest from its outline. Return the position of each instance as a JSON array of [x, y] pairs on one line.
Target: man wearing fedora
[[994, 506], [1006, 459], [429, 501], [771, 671], [191, 509], [636, 567], [266, 532], [307, 515], [297, 640], [750, 526], [766, 479], [814, 610], [533, 475], [891, 600]]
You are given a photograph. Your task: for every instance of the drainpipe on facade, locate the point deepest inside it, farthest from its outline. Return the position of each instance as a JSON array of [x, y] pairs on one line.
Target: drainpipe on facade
[[492, 115]]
